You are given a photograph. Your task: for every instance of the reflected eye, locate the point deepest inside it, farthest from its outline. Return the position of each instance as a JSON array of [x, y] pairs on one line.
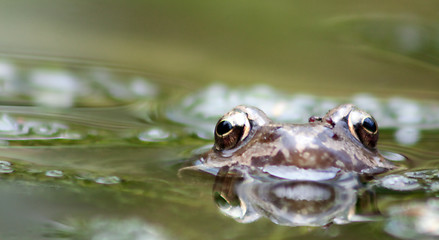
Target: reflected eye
[[231, 129], [363, 127], [224, 202]]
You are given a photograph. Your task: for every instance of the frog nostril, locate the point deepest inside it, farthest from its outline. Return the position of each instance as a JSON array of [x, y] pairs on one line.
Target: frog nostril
[[314, 119], [330, 122]]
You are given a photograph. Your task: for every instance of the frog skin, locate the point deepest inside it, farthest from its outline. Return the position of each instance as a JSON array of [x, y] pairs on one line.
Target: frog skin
[[344, 139]]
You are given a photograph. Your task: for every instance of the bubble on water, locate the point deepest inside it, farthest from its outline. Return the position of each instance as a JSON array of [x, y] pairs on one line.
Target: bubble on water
[[154, 135], [6, 163], [400, 183], [5, 167], [54, 88], [414, 220], [71, 135], [108, 180], [8, 125], [48, 129], [54, 173], [434, 186], [407, 135], [7, 71], [43, 130], [107, 229], [406, 111], [122, 90], [141, 87], [423, 174], [197, 111], [32, 129], [393, 156]]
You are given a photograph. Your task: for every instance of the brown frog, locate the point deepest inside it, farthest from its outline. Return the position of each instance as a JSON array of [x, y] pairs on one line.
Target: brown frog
[[344, 139]]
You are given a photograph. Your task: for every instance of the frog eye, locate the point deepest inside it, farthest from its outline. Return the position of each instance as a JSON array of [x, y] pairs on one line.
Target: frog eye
[[364, 128], [231, 129]]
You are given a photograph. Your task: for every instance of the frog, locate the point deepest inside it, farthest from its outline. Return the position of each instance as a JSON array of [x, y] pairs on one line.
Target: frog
[[344, 139]]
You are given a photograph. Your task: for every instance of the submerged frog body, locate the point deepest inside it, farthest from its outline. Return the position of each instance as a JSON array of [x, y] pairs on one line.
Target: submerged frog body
[[344, 139]]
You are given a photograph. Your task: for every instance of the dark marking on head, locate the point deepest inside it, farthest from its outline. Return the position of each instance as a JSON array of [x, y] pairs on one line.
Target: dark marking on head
[[278, 159], [270, 136], [259, 161]]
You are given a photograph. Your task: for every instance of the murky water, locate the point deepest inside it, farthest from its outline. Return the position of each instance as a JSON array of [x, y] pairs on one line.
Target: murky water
[[95, 123]]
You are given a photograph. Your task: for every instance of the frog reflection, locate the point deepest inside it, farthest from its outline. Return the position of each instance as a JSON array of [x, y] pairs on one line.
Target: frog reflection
[[344, 139], [293, 203]]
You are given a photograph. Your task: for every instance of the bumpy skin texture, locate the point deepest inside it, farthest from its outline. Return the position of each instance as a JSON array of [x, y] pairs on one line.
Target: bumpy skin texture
[[327, 142]]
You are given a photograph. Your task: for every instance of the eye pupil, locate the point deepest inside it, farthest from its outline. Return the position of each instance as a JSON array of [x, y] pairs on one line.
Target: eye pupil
[[223, 127], [369, 124]]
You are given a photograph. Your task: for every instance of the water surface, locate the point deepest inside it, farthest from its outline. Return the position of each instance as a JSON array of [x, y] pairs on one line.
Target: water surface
[[101, 106]]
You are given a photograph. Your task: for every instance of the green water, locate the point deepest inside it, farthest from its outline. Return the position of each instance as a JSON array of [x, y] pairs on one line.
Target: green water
[[103, 102]]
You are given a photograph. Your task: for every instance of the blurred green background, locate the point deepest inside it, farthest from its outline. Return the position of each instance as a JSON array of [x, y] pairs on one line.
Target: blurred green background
[[321, 47]]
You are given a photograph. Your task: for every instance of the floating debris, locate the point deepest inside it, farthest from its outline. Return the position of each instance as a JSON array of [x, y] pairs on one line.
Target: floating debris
[[408, 117], [47, 129], [5, 167], [423, 174], [7, 73], [21, 128], [434, 187], [154, 135], [54, 88], [414, 220], [108, 180], [71, 135], [143, 88], [54, 173], [400, 183], [407, 135], [108, 229], [8, 125], [61, 86]]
